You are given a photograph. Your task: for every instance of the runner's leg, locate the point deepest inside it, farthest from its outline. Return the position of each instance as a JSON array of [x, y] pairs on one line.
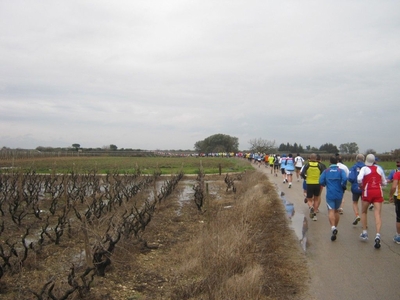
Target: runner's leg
[[364, 210], [377, 214]]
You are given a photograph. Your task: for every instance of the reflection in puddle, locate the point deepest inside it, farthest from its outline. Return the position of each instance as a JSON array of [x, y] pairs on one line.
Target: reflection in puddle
[[299, 222], [304, 230]]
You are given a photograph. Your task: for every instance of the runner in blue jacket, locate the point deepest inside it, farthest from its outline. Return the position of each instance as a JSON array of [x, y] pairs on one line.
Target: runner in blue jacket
[[335, 180], [289, 168]]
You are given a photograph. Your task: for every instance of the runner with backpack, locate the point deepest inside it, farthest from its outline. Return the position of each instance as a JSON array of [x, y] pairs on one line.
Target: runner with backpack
[[311, 173], [355, 187]]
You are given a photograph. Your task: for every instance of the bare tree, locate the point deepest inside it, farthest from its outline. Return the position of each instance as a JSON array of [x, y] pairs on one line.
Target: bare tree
[[262, 146]]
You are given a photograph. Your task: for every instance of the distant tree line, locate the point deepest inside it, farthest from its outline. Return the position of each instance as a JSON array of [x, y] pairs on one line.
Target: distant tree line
[[295, 148], [77, 147], [225, 143], [346, 148]]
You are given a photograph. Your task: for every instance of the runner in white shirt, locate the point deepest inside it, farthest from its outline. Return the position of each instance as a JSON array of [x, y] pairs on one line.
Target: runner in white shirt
[[298, 164], [347, 171]]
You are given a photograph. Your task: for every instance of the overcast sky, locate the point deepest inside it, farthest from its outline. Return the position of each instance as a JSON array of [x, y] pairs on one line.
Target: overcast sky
[[166, 74]]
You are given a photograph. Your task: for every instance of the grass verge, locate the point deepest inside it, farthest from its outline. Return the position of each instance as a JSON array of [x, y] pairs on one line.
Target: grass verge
[[246, 251]]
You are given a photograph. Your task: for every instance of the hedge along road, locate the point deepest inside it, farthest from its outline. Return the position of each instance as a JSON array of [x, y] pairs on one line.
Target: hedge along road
[[347, 268]]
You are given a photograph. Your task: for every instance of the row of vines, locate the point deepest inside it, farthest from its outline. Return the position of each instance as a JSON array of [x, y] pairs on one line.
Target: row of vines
[[90, 211]]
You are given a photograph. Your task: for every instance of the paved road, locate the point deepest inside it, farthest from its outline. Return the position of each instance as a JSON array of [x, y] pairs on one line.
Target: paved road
[[347, 268]]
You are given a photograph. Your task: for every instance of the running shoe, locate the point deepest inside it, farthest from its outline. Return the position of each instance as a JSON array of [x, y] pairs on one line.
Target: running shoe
[[396, 239], [371, 206], [364, 236], [284, 181], [377, 241], [356, 220], [305, 200], [290, 185], [315, 217], [334, 233], [340, 210], [311, 212]]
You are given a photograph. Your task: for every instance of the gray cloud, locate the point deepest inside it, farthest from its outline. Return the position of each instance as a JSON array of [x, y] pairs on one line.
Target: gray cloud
[[165, 74]]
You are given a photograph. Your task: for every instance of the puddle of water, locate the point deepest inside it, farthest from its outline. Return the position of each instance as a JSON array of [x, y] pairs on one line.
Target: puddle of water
[[299, 222], [186, 194]]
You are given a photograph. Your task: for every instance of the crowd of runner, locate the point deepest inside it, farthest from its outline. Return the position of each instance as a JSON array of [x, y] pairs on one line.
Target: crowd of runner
[[366, 180]]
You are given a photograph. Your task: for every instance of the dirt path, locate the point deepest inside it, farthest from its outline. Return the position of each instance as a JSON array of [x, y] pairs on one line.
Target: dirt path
[[347, 268]]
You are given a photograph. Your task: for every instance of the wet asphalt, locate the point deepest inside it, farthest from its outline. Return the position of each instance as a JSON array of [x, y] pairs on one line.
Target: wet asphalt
[[347, 268]]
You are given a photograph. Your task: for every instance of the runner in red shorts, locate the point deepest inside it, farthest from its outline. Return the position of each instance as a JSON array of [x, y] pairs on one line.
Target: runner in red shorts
[[371, 178]]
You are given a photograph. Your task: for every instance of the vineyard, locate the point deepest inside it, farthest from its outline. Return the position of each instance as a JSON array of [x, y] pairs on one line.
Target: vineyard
[[85, 214]]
